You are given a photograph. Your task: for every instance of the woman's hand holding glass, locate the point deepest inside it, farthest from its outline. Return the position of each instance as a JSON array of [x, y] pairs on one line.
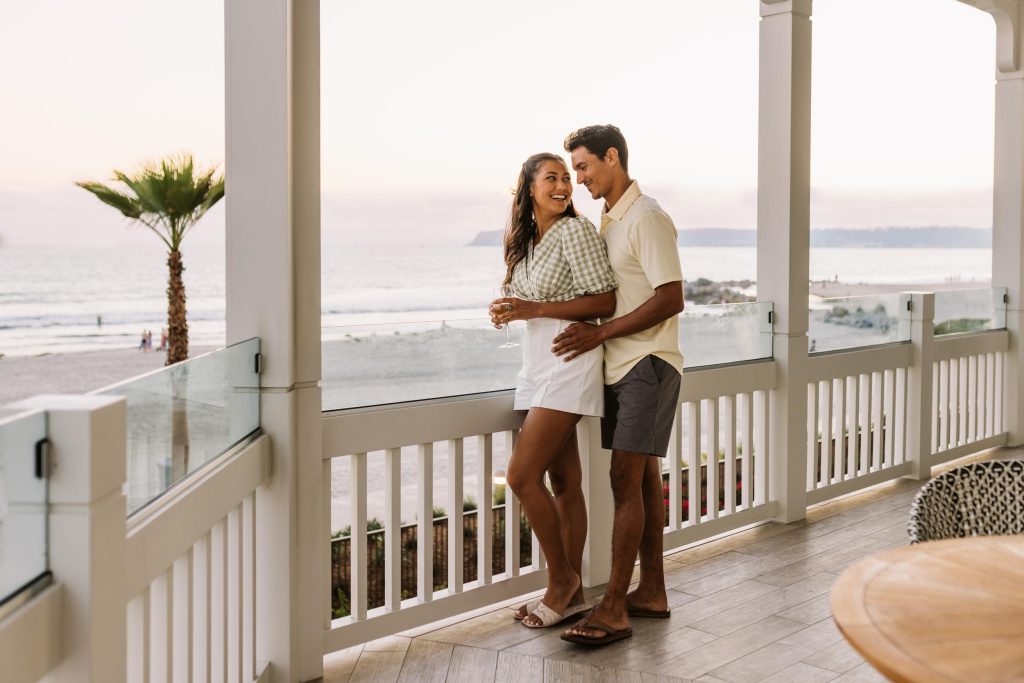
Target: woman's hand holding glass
[[506, 308]]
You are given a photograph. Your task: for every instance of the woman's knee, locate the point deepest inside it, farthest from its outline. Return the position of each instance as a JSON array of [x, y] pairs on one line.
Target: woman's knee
[[520, 478]]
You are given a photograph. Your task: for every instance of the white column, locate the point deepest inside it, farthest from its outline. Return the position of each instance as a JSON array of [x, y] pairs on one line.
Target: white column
[[88, 527], [1008, 198], [273, 291], [783, 234], [597, 491], [921, 319]]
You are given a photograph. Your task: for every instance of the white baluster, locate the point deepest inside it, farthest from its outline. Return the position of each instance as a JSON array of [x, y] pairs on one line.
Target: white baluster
[[161, 602], [900, 437], [876, 421], [853, 453], [249, 585], [865, 424], [711, 406], [201, 583], [484, 510], [824, 453], [181, 641], [218, 602], [693, 458], [729, 474], [512, 558], [762, 425], [999, 393], [357, 540], [839, 454], [138, 637], [455, 523], [812, 434], [425, 523], [393, 529], [234, 649], [889, 416], [962, 403], [675, 464], [747, 448]]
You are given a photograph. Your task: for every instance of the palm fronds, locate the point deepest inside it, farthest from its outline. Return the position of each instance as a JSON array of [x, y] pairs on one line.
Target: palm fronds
[[168, 197]]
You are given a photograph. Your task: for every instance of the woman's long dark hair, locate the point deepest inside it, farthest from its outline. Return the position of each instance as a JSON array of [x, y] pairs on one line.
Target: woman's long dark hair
[[522, 227]]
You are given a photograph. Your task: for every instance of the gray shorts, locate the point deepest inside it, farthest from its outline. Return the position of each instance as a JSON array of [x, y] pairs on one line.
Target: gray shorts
[[639, 409]]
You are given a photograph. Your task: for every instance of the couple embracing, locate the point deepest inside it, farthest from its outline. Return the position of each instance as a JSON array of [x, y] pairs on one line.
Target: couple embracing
[[603, 340]]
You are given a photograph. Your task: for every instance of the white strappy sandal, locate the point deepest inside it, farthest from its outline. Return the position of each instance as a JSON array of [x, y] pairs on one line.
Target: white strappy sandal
[[530, 606], [549, 617]]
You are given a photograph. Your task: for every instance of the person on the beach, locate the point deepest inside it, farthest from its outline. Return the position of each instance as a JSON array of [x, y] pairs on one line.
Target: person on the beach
[[643, 368], [558, 270], [142, 342], [163, 338]]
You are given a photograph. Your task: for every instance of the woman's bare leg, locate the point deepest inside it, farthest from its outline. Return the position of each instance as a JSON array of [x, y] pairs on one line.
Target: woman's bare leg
[[566, 475], [541, 440]]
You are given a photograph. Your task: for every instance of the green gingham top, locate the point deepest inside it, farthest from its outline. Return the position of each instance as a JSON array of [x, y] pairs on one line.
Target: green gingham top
[[569, 261]]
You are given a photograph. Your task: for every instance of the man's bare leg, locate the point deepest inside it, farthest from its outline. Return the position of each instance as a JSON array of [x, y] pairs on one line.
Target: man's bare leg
[[650, 593], [627, 477]]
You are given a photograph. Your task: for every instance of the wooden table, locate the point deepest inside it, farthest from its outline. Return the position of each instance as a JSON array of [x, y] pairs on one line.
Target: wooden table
[[939, 611]]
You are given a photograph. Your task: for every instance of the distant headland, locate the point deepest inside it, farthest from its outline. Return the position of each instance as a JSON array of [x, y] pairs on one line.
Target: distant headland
[[880, 238]]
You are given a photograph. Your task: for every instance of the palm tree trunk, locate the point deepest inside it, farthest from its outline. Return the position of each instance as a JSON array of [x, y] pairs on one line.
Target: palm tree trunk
[[177, 323], [180, 439], [177, 350]]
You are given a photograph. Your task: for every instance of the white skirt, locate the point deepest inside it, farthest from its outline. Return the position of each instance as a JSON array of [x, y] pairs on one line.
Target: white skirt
[[548, 381]]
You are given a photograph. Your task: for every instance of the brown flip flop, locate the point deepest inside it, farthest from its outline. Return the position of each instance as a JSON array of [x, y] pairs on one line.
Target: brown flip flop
[[648, 613], [610, 634]]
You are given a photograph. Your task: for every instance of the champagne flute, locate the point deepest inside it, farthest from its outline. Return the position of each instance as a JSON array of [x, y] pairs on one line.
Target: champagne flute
[[504, 292]]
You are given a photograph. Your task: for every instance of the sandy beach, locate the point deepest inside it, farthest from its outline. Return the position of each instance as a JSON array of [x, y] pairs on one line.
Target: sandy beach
[[830, 289], [74, 373]]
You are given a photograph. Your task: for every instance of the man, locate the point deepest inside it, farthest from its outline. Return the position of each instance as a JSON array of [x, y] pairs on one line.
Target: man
[[643, 367]]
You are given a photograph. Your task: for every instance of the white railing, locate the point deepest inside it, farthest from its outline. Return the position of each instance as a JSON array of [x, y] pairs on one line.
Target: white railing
[[856, 419], [447, 432], [167, 595], [884, 412], [967, 398], [190, 576], [723, 417]]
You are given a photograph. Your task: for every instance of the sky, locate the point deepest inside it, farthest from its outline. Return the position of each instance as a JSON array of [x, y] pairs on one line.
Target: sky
[[430, 108]]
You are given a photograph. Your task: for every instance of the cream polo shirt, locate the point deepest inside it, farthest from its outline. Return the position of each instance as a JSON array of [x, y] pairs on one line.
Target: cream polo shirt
[[642, 249]]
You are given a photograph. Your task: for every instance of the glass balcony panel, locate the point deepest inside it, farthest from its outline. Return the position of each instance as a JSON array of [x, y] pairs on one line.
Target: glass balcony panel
[[854, 321], [23, 504], [970, 310], [366, 365], [725, 333], [183, 416]]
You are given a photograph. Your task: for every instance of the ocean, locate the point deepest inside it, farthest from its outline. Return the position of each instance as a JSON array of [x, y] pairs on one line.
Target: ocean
[[64, 300]]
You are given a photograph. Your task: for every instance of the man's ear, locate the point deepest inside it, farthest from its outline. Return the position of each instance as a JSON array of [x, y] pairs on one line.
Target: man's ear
[[611, 157]]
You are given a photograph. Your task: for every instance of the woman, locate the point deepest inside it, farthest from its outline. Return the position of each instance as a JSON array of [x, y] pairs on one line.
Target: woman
[[558, 271]]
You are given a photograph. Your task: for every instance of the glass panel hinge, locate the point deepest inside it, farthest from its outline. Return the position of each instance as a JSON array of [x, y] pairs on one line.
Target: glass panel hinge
[[42, 458]]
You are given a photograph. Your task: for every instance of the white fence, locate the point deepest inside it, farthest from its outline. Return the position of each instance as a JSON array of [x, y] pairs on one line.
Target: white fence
[[191, 576], [168, 595], [726, 406], [880, 413]]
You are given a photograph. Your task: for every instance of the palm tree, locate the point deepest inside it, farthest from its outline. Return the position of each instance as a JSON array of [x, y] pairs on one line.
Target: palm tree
[[169, 198]]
